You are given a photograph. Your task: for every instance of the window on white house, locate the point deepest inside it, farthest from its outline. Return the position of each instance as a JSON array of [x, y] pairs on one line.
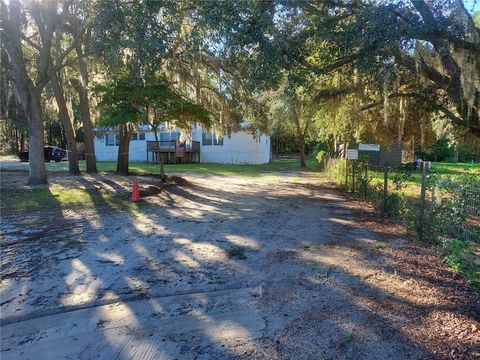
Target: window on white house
[[164, 136], [218, 141], [207, 138], [174, 135], [210, 138], [109, 140], [137, 136]]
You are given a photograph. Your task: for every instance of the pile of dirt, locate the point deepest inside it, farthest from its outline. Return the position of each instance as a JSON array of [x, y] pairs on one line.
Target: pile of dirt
[[150, 191], [177, 180]]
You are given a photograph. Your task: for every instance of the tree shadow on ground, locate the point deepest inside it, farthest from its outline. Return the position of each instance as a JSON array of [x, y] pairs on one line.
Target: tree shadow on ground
[[305, 273]]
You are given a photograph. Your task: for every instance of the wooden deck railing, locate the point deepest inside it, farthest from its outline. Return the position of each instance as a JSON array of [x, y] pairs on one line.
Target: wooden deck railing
[[169, 146]]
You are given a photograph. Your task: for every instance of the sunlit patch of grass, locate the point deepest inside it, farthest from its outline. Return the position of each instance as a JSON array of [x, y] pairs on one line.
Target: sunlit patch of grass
[[19, 200], [212, 169], [412, 186]]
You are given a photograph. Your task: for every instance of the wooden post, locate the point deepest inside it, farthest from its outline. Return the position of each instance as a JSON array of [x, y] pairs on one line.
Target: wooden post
[[385, 188], [346, 174], [365, 182], [353, 176], [421, 213]]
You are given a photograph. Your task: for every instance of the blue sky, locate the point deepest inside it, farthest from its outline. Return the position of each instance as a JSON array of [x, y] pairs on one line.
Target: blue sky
[[472, 5]]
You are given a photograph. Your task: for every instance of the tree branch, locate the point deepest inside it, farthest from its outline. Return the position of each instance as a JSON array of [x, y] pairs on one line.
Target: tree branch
[[455, 119], [30, 42]]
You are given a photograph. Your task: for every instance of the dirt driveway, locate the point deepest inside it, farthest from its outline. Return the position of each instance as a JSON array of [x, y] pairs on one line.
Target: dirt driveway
[[273, 267], [10, 161]]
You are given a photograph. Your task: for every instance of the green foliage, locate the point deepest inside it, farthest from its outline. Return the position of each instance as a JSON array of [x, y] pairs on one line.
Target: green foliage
[[335, 169], [454, 199], [463, 258], [136, 34], [361, 50], [125, 98], [440, 151], [321, 160]]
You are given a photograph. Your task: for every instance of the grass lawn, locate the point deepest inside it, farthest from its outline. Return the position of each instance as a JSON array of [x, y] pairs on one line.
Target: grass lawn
[[455, 168], [212, 169], [443, 169], [36, 199]]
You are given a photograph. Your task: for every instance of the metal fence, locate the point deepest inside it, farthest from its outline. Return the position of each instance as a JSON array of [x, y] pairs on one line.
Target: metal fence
[[437, 208], [472, 203]]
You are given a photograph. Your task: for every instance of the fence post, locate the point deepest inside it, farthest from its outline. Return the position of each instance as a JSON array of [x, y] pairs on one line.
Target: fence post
[[346, 174], [353, 176], [385, 188], [421, 213], [365, 181]]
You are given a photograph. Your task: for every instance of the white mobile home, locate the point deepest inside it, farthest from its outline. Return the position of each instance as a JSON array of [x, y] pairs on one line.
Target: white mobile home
[[201, 145]]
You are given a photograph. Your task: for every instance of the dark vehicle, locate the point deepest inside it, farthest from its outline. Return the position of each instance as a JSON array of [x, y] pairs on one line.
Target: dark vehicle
[[51, 153]]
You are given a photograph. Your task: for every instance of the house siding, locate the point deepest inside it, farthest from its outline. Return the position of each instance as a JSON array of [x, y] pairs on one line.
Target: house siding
[[238, 148], [137, 150]]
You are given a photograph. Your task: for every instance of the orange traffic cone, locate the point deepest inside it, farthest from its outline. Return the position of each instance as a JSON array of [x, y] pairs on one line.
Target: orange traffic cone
[[135, 192]]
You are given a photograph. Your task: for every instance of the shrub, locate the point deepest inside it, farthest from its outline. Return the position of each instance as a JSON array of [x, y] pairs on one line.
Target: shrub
[[321, 160], [462, 257], [335, 170]]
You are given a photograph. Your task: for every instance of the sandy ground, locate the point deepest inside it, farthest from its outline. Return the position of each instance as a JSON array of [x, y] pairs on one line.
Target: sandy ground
[[275, 267], [11, 161]]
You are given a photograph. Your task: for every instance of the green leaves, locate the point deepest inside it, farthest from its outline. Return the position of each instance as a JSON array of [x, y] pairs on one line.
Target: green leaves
[[125, 98], [139, 34]]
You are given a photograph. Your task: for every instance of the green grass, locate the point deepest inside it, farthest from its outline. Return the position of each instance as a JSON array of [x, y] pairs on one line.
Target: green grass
[[455, 168], [412, 186], [35, 199], [212, 169]]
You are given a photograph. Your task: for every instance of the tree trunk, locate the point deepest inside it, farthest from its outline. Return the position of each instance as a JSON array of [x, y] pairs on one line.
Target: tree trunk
[[36, 157], [22, 141], [301, 143], [16, 147], [80, 87], [48, 21], [64, 116], [125, 132], [31, 103], [88, 133], [150, 116], [345, 146], [160, 160]]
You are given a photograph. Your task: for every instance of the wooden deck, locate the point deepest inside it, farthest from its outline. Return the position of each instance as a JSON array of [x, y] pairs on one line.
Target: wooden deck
[[173, 152]]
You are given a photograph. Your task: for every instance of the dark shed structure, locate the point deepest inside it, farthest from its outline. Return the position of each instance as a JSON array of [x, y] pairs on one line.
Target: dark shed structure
[[381, 155]]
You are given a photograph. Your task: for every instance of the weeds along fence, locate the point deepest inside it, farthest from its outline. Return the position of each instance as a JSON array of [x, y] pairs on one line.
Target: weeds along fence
[[439, 209]]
